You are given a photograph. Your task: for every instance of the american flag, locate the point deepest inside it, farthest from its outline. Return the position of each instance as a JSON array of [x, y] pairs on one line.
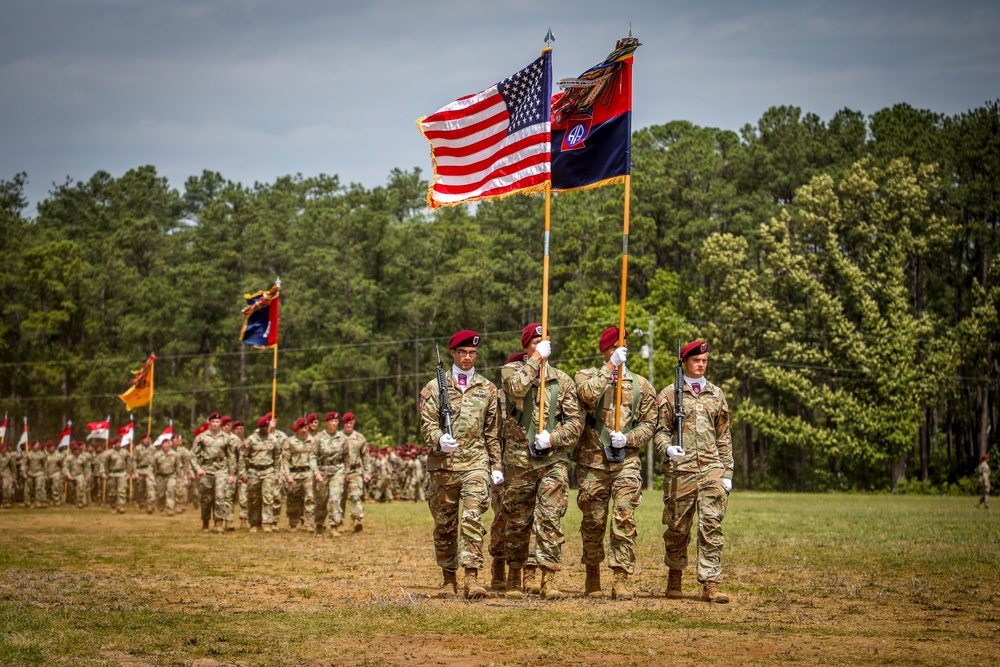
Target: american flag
[[493, 143]]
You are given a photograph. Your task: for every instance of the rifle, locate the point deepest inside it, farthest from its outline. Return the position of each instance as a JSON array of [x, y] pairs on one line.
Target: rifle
[[444, 405], [679, 398]]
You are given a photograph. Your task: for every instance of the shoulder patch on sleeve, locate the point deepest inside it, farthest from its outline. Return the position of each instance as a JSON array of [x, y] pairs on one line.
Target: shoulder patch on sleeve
[[659, 400], [425, 392]]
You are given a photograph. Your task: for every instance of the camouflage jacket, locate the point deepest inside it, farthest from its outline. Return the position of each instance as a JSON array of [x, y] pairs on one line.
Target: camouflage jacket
[[166, 463], [298, 457], [54, 462], [563, 416], [475, 422], [597, 391], [262, 454], [213, 453], [357, 458], [77, 466], [184, 454], [8, 464], [34, 463], [708, 443], [984, 474], [142, 458], [117, 461], [330, 450]]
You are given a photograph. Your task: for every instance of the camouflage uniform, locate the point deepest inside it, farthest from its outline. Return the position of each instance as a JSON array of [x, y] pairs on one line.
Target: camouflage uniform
[[536, 490], [357, 461], [330, 463], [463, 477], [984, 482], [183, 495], [144, 489], [212, 454], [166, 469], [34, 468], [300, 465], [8, 473], [261, 467], [117, 465], [694, 484], [93, 490], [54, 475], [233, 497], [602, 482], [77, 471]]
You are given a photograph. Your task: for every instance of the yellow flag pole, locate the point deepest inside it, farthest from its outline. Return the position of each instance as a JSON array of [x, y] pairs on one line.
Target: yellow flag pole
[[152, 390], [621, 310], [274, 382], [545, 304]]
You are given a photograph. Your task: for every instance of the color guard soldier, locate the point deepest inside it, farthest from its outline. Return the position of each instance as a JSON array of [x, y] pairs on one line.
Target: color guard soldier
[[301, 472], [260, 470], [214, 463]]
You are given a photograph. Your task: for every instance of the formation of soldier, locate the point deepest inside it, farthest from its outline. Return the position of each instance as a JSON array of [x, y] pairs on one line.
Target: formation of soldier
[[511, 448]]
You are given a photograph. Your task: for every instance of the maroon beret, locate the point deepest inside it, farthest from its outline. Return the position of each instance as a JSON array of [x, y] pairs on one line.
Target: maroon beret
[[332, 415], [114, 441], [238, 422], [986, 457], [531, 331], [264, 421], [464, 337], [348, 416], [311, 417], [226, 419], [609, 337], [214, 415], [692, 348], [298, 423], [517, 356]]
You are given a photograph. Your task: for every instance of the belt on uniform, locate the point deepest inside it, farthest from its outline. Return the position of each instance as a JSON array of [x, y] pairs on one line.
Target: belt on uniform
[[205, 462], [164, 474], [299, 469], [325, 462], [263, 467], [142, 469]]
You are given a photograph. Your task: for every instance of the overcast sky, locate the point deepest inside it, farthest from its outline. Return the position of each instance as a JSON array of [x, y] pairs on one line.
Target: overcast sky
[[256, 89]]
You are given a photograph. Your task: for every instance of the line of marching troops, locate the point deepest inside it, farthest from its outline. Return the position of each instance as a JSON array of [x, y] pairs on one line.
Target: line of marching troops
[[167, 475]]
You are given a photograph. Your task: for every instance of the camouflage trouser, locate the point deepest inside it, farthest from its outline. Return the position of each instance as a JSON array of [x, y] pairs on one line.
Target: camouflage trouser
[[58, 488], [328, 496], [355, 487], [416, 491], [623, 491], [683, 494], [77, 490], [534, 503], [499, 522], [244, 498], [96, 489], [459, 543], [212, 492], [6, 489], [985, 498], [301, 501], [262, 494], [117, 489], [383, 491], [34, 489], [144, 488], [166, 490]]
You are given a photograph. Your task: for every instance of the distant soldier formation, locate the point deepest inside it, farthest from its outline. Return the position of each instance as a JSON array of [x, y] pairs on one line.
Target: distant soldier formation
[[506, 446]]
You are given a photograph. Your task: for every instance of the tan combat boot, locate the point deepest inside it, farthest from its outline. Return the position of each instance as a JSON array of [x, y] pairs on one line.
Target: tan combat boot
[[170, 512], [253, 529], [268, 528], [513, 585], [220, 526], [498, 582], [230, 528], [334, 531], [530, 583], [619, 587], [549, 590], [674, 584], [592, 588], [711, 593], [204, 525], [450, 583], [149, 509], [473, 591], [243, 524]]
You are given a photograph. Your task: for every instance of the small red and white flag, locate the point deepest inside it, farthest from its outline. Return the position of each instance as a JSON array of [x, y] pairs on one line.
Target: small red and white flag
[[66, 434], [3, 429], [167, 434], [99, 430], [24, 436], [126, 433]]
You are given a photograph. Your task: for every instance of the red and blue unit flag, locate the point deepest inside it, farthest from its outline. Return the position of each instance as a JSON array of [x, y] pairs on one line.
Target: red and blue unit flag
[[592, 124], [260, 318]]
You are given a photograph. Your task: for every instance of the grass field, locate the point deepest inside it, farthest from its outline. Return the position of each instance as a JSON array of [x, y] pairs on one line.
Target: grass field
[[814, 580]]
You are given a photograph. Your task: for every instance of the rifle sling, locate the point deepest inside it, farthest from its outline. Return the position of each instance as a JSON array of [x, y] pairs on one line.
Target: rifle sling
[[525, 418]]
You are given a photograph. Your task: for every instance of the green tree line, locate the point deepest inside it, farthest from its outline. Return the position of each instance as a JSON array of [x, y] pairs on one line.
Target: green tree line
[[845, 272]]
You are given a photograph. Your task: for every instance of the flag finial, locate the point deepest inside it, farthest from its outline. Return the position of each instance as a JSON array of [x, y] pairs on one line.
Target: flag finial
[[549, 38]]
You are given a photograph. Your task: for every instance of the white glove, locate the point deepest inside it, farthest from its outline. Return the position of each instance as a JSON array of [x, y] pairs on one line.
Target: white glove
[[727, 484], [544, 349], [619, 356], [675, 453], [497, 477], [543, 440], [448, 443], [618, 438]]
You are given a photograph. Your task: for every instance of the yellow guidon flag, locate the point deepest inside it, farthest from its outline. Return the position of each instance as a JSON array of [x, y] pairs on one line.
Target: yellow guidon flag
[[140, 391]]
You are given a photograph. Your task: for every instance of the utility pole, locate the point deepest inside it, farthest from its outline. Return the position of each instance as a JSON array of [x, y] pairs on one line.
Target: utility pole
[[646, 352]]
